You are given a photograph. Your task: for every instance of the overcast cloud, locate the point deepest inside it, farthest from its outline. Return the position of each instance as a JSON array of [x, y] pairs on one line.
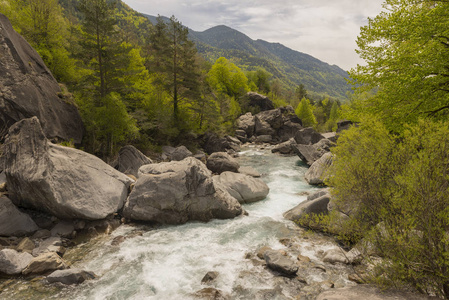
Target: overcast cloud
[[325, 29]]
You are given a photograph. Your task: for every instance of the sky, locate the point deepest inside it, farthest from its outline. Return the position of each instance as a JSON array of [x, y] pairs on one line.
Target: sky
[[325, 29]]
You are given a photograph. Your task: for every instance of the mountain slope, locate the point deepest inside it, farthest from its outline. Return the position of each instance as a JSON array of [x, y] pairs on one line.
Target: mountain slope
[[289, 66]]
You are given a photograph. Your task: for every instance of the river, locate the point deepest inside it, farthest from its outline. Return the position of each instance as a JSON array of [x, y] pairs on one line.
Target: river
[[169, 262]]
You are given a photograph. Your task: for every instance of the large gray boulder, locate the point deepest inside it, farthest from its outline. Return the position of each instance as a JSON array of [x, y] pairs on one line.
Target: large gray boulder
[[13, 222], [244, 188], [13, 262], [278, 262], [317, 173], [258, 101], [130, 159], [220, 162], [65, 182], [311, 153], [176, 192], [308, 136], [27, 88]]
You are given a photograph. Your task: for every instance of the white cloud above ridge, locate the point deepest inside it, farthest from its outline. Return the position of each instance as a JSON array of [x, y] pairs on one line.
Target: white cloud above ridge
[[325, 29]]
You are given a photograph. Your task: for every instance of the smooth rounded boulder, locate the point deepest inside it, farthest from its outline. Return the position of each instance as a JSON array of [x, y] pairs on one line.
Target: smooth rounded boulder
[[13, 262], [244, 188], [130, 159], [220, 162], [317, 173], [176, 192], [62, 181]]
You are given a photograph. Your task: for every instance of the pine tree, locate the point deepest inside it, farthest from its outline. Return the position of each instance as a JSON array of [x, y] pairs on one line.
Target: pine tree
[[174, 63]]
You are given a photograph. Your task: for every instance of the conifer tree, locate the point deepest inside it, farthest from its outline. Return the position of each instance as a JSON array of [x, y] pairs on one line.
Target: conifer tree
[[174, 63]]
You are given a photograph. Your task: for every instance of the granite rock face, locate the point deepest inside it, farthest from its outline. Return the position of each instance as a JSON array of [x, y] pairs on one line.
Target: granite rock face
[[130, 159], [244, 188], [176, 192], [27, 89], [65, 182]]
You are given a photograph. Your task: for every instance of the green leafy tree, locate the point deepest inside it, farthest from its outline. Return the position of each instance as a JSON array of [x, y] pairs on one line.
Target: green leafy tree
[[304, 111], [260, 80], [174, 59], [394, 192], [226, 78], [406, 50], [331, 123]]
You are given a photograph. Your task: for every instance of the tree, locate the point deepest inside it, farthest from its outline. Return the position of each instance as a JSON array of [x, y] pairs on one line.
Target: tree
[[300, 92], [260, 78], [394, 192], [406, 50], [226, 78], [100, 50], [174, 59], [331, 123], [304, 111]]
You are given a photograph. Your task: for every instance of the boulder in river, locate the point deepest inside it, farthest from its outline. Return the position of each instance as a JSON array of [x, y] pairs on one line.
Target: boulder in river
[[65, 182], [13, 222], [176, 192], [13, 262], [130, 159], [244, 188], [70, 276], [280, 263], [27, 88], [316, 206], [369, 292], [44, 263], [220, 162]]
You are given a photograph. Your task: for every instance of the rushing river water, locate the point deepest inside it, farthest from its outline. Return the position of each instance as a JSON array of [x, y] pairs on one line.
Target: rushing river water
[[168, 262]]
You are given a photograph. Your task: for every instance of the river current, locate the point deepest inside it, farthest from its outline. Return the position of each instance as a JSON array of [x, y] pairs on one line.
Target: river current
[[169, 262]]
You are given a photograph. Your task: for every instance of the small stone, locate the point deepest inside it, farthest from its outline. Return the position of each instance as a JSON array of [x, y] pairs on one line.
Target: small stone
[[41, 234], [210, 276], [118, 240], [70, 276], [303, 259], [44, 263], [262, 251], [26, 245]]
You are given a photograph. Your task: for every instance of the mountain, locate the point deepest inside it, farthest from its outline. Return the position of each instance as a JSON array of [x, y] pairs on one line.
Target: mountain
[[289, 66]]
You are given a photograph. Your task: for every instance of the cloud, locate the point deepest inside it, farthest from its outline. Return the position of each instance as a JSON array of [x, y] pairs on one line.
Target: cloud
[[325, 29]]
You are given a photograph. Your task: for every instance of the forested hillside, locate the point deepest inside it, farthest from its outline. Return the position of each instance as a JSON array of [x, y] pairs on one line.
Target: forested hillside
[[291, 67]]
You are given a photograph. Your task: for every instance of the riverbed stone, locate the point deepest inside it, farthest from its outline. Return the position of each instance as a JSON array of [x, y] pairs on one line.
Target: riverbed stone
[[176, 192], [316, 206], [276, 261], [285, 147], [13, 222], [65, 182], [250, 171], [13, 262], [63, 229], [70, 276], [45, 263], [26, 245], [336, 255], [51, 244], [220, 162], [244, 188], [210, 294], [210, 276]]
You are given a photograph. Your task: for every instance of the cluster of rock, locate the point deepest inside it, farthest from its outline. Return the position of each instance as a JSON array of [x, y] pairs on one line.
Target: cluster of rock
[[272, 126], [69, 184]]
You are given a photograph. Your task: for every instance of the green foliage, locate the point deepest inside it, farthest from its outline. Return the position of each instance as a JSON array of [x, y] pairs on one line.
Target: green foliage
[[406, 50], [395, 192], [226, 78], [334, 116], [304, 111], [259, 80]]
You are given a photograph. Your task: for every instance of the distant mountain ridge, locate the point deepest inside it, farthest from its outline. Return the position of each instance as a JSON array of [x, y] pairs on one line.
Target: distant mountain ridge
[[289, 66]]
